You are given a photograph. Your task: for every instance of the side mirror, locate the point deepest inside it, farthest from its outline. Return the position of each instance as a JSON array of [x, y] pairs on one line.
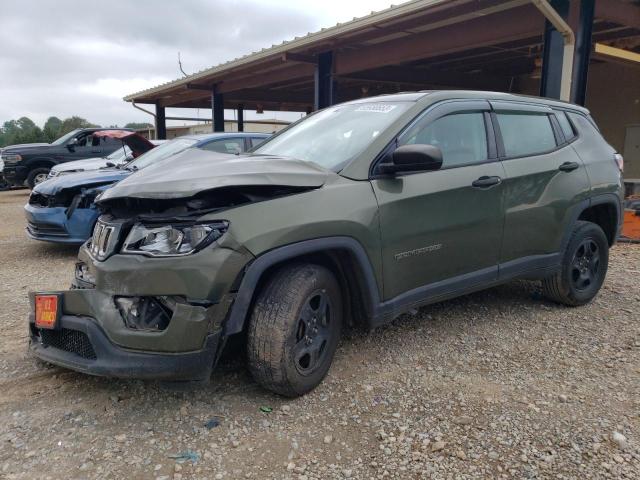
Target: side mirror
[[413, 158], [72, 144]]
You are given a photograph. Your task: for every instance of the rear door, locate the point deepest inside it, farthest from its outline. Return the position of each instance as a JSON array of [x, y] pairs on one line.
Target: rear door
[[545, 178], [445, 225]]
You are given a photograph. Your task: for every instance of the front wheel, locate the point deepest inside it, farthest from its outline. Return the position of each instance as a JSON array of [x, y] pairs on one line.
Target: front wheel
[[36, 176], [294, 329], [584, 267]]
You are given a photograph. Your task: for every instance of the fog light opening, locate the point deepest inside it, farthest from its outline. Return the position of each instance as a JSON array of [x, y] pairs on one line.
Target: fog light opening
[[146, 313]]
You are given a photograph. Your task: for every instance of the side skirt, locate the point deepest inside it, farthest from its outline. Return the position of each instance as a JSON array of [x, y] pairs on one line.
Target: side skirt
[[530, 268]]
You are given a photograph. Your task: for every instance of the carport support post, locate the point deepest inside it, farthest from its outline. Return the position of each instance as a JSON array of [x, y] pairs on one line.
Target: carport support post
[[551, 82], [583, 52], [161, 123], [241, 118], [324, 83], [217, 110]]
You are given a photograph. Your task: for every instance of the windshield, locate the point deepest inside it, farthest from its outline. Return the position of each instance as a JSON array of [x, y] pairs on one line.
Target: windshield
[[65, 138], [334, 136], [161, 152], [119, 155]]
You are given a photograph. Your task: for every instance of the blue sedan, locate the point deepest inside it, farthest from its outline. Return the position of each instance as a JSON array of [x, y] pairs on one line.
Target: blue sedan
[[62, 209]]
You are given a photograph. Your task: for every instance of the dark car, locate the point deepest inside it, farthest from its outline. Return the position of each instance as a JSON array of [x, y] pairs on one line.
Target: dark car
[[30, 164], [353, 215], [62, 209], [4, 185]]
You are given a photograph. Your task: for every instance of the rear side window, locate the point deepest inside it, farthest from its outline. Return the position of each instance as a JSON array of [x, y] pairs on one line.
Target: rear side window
[[255, 141], [565, 124], [526, 133], [230, 145], [461, 137]]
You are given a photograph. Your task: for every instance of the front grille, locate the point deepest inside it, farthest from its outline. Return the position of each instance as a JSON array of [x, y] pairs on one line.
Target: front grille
[[46, 229], [72, 341], [104, 239]]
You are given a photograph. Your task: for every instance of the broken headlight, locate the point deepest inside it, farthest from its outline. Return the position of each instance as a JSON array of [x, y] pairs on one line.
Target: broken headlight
[[172, 240]]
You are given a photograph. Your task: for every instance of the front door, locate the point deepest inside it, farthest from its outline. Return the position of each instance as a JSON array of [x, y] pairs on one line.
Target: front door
[[445, 225]]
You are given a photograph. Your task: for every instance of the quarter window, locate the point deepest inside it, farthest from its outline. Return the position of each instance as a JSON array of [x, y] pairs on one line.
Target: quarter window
[[526, 133], [567, 129], [461, 137]]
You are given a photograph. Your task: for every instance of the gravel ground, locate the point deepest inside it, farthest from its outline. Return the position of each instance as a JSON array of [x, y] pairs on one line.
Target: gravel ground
[[499, 384]]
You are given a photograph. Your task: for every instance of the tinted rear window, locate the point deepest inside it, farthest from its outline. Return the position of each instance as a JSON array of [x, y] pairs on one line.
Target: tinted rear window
[[526, 133]]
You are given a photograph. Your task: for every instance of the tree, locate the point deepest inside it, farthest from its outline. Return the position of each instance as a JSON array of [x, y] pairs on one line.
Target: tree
[[138, 125], [51, 129], [74, 122], [22, 130]]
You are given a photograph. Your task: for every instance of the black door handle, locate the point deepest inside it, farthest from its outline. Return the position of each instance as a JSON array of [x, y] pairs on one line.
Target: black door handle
[[486, 182], [568, 166]]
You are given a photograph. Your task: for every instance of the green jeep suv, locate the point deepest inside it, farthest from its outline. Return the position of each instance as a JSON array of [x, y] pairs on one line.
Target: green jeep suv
[[352, 215]]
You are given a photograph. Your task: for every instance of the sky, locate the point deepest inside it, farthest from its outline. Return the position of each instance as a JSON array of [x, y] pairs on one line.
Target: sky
[[64, 57]]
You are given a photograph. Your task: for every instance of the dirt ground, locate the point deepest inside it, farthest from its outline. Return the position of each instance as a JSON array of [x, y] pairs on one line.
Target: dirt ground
[[499, 384]]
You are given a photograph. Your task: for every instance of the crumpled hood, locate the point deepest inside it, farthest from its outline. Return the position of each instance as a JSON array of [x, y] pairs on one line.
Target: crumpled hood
[[195, 170], [86, 164], [88, 179]]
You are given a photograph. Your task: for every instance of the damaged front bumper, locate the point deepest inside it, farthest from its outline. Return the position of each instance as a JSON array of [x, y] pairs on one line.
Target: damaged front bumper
[[52, 224], [80, 344], [95, 335]]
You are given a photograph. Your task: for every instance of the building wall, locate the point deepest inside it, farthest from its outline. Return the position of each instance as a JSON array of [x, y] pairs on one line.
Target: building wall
[[613, 96], [229, 126]]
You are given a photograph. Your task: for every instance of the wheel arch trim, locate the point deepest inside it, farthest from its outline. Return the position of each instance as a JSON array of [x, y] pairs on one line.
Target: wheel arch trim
[[257, 268]]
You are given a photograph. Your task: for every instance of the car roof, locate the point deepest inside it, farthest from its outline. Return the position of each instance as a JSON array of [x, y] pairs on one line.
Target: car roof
[[202, 137], [433, 96]]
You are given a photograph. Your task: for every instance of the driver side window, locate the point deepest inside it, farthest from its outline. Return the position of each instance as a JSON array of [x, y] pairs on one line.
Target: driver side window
[[461, 137], [83, 140]]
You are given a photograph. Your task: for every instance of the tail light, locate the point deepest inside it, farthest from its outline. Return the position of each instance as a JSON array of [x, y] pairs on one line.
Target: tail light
[[619, 161]]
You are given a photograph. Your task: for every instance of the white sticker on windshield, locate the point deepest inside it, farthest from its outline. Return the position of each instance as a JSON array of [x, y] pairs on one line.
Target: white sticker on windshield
[[375, 107]]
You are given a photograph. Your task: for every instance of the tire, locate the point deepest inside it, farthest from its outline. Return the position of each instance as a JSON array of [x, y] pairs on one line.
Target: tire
[[291, 343], [36, 176], [584, 267]]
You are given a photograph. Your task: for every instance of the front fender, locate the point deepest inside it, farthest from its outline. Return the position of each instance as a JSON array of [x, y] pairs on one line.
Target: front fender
[[256, 269]]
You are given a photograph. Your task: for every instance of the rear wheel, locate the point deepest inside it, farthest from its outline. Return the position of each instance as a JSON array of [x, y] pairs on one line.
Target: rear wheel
[[294, 329], [584, 267], [36, 176]]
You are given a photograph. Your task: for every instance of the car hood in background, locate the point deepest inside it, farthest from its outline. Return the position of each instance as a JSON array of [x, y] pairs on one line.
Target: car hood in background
[[20, 147], [88, 179], [194, 171], [86, 164], [137, 143]]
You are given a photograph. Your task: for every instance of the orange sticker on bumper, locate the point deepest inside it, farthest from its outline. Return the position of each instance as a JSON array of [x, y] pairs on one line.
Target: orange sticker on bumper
[[46, 311]]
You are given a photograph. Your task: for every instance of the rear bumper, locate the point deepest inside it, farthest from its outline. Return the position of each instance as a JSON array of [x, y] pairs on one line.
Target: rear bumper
[[80, 344], [52, 224]]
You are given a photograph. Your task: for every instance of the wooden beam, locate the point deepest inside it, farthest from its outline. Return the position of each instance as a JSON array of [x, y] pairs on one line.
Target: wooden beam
[[185, 96], [514, 24], [299, 57], [420, 77], [258, 79], [623, 13], [193, 86]]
